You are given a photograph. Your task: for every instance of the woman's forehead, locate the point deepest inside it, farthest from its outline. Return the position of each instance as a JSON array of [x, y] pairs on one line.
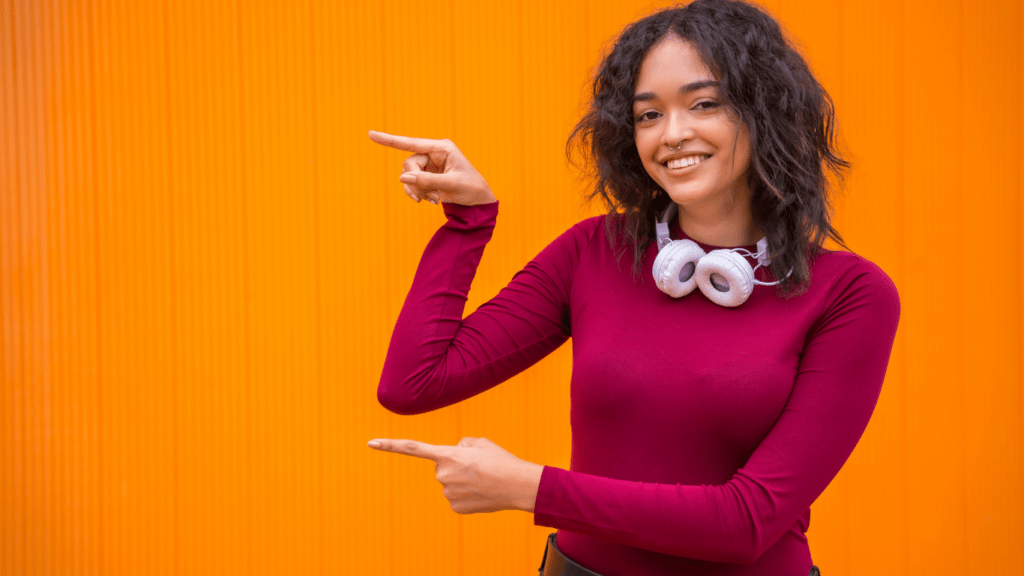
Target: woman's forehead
[[673, 63]]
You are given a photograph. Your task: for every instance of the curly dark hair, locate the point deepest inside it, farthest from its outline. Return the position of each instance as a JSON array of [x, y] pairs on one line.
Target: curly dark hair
[[767, 83]]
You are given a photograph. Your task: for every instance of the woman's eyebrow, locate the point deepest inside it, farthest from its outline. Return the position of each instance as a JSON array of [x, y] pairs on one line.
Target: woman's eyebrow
[[647, 96]]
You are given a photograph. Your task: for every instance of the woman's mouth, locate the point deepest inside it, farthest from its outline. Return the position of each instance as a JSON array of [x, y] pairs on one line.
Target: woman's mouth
[[685, 162]]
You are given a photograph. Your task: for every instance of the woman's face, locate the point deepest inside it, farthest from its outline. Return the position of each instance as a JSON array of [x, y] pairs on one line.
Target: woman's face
[[676, 105]]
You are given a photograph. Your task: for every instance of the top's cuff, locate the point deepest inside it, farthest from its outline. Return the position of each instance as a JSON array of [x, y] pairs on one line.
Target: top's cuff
[[476, 216], [546, 496]]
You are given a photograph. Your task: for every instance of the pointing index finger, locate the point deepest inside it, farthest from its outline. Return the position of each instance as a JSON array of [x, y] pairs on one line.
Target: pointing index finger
[[418, 145], [411, 448]]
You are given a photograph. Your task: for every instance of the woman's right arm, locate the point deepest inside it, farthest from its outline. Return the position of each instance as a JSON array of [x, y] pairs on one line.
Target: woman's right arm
[[436, 358]]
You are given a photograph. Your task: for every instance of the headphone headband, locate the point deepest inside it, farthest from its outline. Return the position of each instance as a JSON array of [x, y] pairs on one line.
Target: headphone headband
[[661, 227]]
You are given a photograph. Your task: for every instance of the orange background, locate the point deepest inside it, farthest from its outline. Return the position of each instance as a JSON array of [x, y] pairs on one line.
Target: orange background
[[203, 256]]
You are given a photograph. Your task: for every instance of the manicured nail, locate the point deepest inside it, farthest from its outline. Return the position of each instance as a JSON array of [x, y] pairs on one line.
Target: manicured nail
[[407, 179], [434, 202], [373, 444]]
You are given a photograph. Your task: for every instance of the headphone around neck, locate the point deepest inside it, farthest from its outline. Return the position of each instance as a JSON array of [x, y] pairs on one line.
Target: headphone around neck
[[724, 276]]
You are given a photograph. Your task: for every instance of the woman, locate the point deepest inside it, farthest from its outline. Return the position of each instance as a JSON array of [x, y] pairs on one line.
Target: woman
[[705, 422]]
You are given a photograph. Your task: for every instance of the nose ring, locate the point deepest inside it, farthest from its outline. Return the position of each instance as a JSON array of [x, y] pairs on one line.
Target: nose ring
[[677, 147]]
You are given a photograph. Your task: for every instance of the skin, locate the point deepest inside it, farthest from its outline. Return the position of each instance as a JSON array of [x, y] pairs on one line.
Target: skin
[[713, 196], [477, 475], [437, 171]]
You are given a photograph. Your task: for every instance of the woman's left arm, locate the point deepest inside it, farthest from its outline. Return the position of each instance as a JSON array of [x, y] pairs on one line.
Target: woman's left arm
[[837, 385]]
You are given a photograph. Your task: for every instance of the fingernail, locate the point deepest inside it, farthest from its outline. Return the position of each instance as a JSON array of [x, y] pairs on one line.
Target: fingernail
[[434, 202], [373, 444], [407, 179]]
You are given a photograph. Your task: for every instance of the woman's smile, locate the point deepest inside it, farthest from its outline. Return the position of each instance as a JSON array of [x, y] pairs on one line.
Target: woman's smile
[[681, 165]]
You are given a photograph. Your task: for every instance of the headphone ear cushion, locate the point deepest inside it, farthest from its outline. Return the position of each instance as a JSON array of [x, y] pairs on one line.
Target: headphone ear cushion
[[725, 277], [675, 267]]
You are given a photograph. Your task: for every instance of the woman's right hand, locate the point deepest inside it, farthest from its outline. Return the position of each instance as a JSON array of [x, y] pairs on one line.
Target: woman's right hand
[[437, 171]]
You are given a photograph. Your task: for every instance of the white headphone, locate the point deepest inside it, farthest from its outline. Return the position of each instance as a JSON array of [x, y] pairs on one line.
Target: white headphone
[[724, 276]]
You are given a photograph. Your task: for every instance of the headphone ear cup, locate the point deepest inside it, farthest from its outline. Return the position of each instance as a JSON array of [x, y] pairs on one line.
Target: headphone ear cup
[[675, 267], [725, 277]]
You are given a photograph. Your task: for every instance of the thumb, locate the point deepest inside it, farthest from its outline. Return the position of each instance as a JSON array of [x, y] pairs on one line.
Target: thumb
[[431, 181]]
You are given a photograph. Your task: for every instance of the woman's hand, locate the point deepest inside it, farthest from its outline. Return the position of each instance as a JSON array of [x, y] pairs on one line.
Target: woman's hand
[[437, 171], [477, 474]]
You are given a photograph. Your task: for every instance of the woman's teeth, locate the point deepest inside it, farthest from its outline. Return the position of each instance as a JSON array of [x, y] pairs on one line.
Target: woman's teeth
[[684, 162]]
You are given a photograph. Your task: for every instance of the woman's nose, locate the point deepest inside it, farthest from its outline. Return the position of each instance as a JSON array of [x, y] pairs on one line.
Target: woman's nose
[[677, 129]]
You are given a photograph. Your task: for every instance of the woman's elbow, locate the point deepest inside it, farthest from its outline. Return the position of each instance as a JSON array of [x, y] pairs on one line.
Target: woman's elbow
[[750, 549], [749, 556], [396, 400]]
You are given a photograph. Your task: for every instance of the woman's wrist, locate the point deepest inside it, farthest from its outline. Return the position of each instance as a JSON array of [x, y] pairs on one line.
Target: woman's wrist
[[486, 198], [526, 486]]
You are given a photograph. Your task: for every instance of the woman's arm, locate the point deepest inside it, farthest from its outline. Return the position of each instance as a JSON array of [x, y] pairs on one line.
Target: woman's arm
[[437, 358], [837, 385]]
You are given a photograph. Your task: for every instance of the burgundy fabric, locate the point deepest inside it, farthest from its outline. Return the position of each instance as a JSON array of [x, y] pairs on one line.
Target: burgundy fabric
[[700, 434]]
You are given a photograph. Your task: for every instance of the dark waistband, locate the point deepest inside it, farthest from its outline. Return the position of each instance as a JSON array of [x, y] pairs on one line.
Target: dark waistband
[[557, 564]]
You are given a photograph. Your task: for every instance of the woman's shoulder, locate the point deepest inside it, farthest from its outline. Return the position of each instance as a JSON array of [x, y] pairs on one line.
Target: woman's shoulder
[[592, 225], [610, 228], [849, 278], [581, 235], [848, 265]]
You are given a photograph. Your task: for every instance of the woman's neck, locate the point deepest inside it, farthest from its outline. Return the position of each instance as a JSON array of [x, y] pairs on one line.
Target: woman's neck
[[737, 228]]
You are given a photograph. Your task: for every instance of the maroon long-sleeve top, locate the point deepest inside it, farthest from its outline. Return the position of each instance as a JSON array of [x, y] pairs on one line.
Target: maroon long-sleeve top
[[700, 434]]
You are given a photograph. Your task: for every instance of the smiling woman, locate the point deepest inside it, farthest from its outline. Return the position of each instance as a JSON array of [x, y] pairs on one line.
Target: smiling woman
[[703, 427], [731, 62]]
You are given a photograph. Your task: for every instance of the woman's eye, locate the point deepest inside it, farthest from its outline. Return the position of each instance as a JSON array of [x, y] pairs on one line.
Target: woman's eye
[[710, 105], [649, 115]]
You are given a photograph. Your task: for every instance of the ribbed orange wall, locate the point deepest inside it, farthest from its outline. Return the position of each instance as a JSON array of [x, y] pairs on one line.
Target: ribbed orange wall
[[202, 256]]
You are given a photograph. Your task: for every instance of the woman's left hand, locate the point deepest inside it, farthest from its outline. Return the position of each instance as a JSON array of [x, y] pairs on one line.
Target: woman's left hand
[[477, 474]]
